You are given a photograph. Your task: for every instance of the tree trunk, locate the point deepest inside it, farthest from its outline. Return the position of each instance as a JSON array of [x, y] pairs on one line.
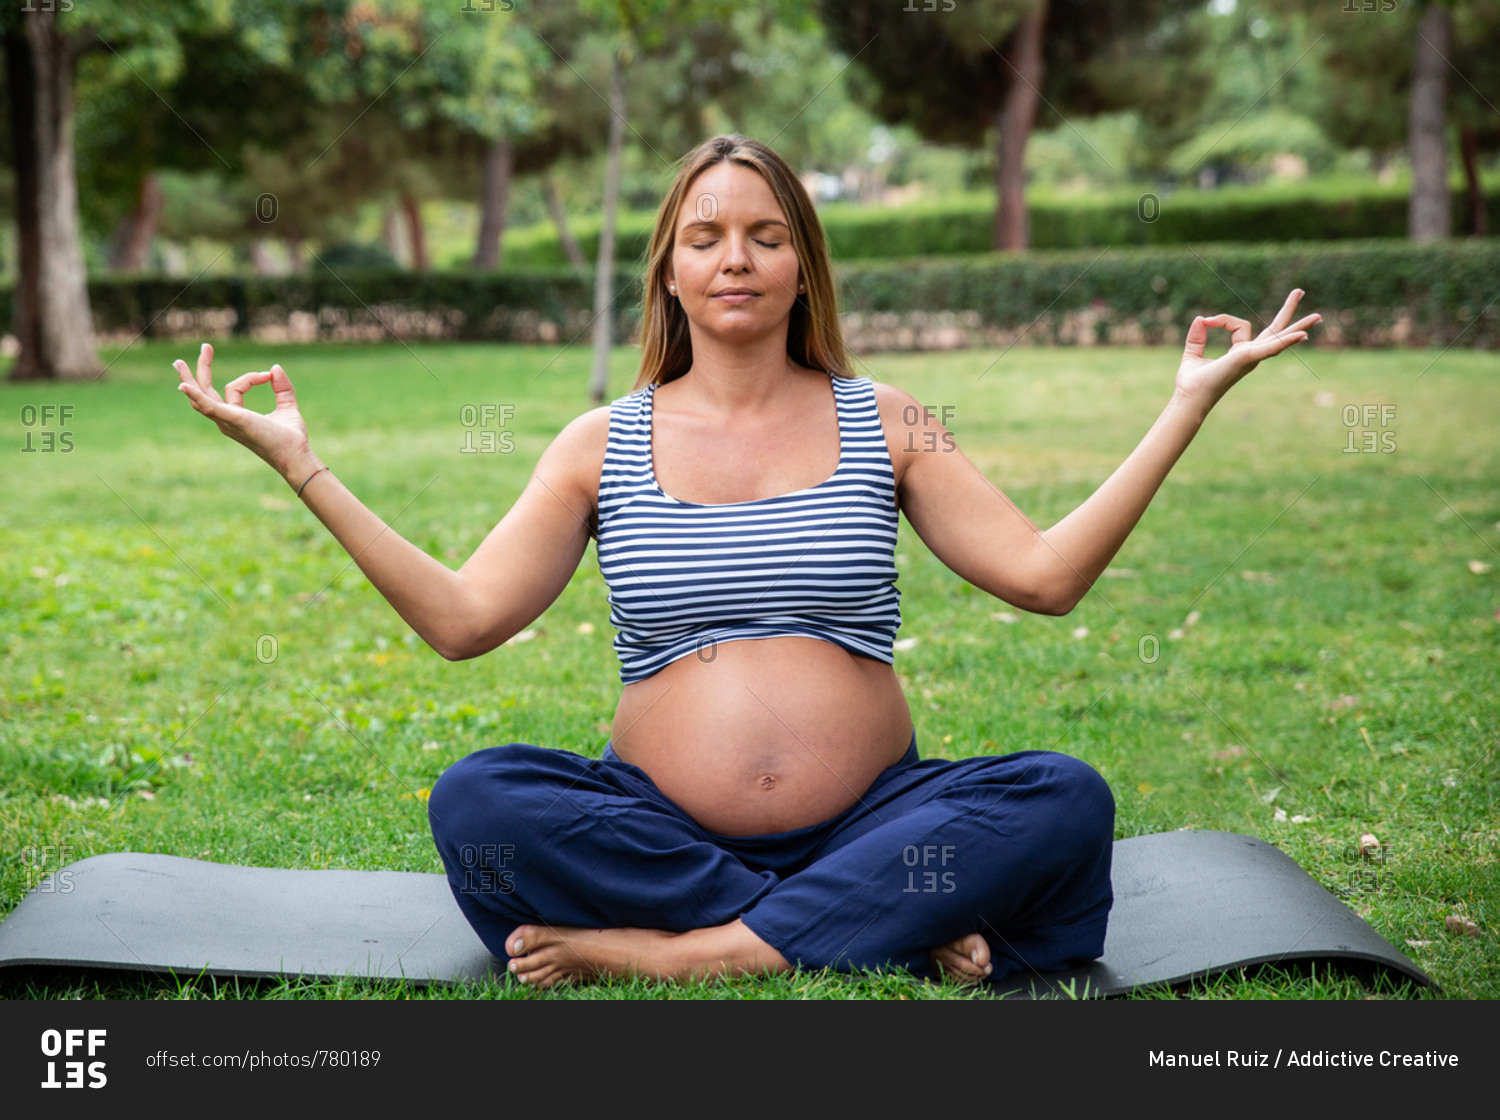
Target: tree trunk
[[1013, 123], [1478, 219], [604, 273], [415, 231], [138, 228], [390, 233], [1427, 215], [294, 261], [260, 258], [53, 321], [570, 244], [494, 188]]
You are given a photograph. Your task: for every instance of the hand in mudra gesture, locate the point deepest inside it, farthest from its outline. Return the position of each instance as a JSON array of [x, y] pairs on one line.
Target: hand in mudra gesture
[[279, 436], [1205, 380]]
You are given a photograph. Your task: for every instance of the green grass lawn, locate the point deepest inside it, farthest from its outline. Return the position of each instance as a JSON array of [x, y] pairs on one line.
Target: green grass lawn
[[1298, 643]]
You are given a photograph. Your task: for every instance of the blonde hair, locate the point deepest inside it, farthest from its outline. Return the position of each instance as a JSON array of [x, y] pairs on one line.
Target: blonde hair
[[813, 337]]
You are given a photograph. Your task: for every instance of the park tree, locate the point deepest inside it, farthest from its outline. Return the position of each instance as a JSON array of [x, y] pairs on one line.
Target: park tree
[[475, 93], [1406, 73], [290, 58], [636, 36], [43, 44], [402, 99], [51, 306], [957, 71], [170, 154], [1260, 103]]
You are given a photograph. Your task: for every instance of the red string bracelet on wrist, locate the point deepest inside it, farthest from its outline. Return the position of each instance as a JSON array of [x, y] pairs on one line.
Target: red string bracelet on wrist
[[308, 479]]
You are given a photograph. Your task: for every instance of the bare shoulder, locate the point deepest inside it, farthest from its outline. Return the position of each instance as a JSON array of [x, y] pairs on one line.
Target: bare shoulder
[[583, 435], [574, 459], [910, 427], [897, 406]]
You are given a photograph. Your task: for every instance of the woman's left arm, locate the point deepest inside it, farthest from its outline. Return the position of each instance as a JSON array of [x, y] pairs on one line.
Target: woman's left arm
[[980, 533]]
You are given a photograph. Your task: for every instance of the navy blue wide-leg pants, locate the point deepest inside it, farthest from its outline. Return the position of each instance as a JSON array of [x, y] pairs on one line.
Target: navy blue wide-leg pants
[[1016, 848]]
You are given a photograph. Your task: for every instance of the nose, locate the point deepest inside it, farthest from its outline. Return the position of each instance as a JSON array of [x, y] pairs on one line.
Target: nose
[[737, 254]]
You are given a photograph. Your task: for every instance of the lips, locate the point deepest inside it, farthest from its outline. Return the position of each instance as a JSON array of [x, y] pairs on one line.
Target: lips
[[735, 292]]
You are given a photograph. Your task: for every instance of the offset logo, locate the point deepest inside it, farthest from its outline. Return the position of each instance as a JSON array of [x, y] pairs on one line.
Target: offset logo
[[73, 1046]]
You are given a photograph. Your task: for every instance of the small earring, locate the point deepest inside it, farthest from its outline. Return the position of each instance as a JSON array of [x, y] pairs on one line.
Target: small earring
[[800, 288]]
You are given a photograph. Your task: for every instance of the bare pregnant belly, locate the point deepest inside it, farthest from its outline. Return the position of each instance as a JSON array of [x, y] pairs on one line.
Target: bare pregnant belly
[[769, 735]]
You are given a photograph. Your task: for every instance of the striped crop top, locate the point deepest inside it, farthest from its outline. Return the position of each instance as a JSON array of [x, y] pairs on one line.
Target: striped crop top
[[816, 563]]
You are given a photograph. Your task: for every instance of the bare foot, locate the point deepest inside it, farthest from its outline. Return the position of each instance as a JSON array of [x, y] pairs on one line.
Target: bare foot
[[967, 960], [547, 955]]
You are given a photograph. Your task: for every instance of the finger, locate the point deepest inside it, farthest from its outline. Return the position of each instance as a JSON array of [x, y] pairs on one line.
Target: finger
[[206, 368], [1275, 344], [234, 392], [286, 397], [1281, 329], [1294, 333], [1239, 329], [205, 403], [1284, 316], [1197, 338], [189, 388]]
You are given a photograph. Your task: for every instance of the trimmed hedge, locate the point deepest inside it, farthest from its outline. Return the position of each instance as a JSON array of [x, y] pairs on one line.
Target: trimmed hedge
[[1371, 293], [1309, 213]]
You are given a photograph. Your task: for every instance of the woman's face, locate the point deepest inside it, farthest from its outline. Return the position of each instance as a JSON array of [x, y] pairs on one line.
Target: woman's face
[[732, 234]]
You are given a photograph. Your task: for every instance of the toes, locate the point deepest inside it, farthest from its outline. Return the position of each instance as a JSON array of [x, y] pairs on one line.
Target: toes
[[532, 962], [540, 978], [977, 949], [967, 959], [955, 964], [523, 938], [532, 974], [545, 975]]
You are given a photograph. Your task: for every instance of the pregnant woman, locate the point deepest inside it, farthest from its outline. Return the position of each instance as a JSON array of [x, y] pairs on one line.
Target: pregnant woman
[[761, 803]]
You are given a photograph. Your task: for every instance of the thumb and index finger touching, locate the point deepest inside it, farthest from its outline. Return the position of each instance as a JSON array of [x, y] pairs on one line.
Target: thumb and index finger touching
[[199, 385], [1275, 334], [281, 385]]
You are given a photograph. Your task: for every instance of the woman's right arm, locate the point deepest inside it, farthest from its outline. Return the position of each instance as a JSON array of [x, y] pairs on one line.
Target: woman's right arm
[[515, 574]]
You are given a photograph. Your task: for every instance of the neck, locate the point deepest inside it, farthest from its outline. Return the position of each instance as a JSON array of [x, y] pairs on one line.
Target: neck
[[737, 376]]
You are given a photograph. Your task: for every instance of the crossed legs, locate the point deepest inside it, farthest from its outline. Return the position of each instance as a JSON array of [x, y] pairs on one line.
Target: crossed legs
[[573, 868]]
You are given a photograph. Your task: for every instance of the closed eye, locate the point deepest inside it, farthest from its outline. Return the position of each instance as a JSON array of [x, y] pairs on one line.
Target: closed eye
[[767, 244]]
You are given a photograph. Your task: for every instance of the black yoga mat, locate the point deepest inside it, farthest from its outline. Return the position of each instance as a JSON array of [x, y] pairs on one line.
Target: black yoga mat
[[1187, 904], [1190, 905]]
